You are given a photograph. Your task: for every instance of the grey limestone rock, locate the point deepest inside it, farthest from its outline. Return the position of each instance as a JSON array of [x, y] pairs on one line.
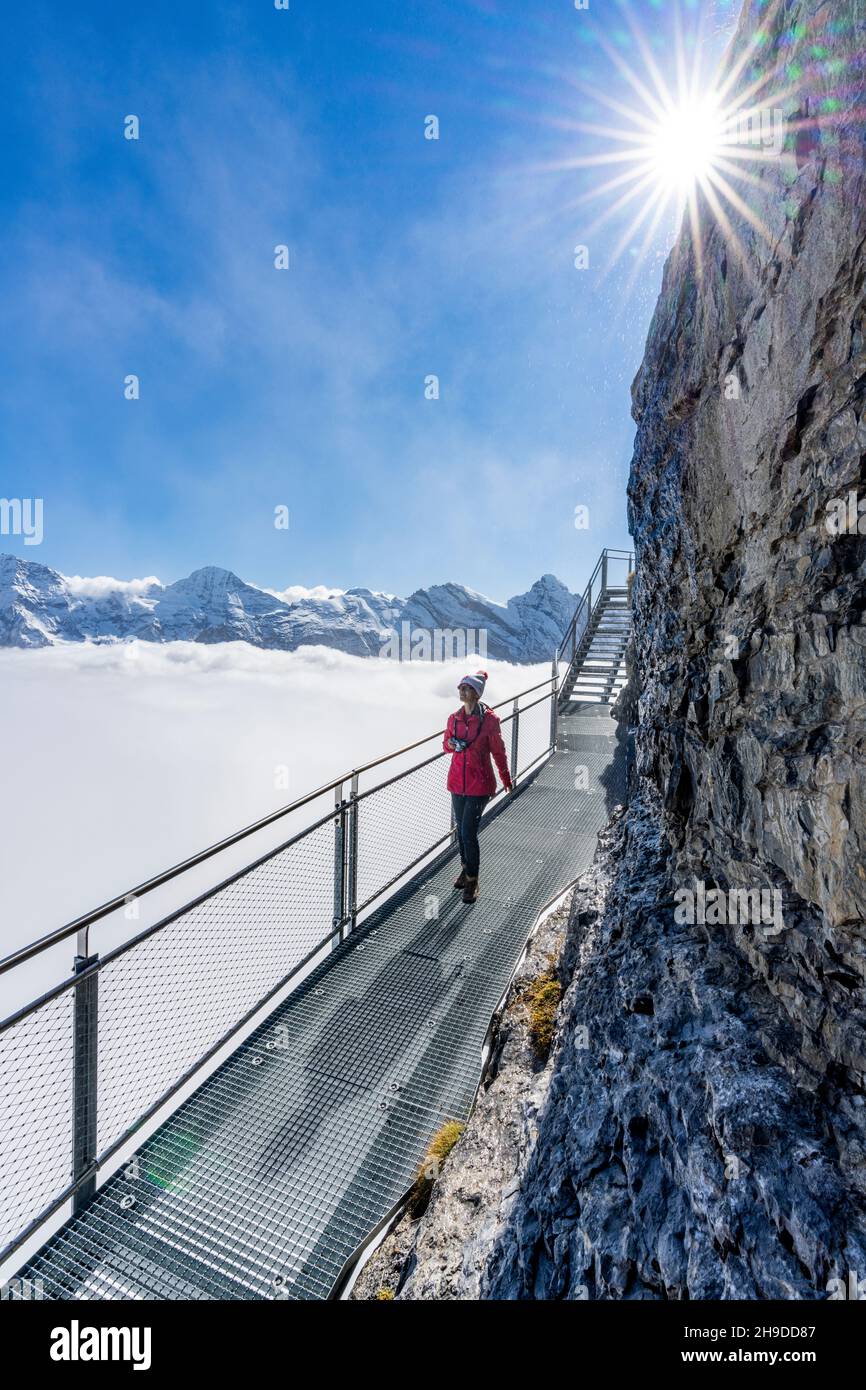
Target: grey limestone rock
[[705, 1136]]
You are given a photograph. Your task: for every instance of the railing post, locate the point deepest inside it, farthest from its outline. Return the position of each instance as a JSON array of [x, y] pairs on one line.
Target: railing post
[[515, 735], [352, 879], [339, 865], [604, 572], [85, 1024], [554, 701]]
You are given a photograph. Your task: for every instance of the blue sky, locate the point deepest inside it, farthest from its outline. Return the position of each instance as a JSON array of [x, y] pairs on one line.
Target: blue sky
[[409, 257]]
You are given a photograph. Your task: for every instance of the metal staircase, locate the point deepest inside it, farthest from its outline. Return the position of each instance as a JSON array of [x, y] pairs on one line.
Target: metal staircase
[[593, 649]]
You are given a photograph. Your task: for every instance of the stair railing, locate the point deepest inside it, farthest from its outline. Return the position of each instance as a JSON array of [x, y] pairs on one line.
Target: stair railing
[[596, 590]]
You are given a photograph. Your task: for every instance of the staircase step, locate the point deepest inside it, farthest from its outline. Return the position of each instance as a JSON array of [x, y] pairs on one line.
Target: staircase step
[[596, 667]]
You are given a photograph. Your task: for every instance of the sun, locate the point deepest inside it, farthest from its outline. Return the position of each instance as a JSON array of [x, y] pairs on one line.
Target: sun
[[690, 142], [686, 145]]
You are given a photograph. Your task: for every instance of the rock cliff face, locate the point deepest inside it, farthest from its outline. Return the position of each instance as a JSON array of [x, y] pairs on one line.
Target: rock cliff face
[[703, 1127]]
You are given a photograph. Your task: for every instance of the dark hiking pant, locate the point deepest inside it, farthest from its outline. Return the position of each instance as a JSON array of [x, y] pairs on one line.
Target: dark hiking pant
[[467, 815]]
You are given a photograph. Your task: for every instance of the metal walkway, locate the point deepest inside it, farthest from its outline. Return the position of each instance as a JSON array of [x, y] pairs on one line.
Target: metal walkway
[[266, 1182]]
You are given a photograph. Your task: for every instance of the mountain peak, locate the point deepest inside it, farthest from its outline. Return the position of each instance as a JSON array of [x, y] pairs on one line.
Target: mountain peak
[[210, 575], [39, 607]]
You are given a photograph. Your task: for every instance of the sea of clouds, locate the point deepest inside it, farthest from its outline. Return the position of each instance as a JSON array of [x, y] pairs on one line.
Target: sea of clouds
[[121, 760]]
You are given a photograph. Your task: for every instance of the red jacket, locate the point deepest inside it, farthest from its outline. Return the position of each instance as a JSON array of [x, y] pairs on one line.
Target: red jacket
[[471, 772]]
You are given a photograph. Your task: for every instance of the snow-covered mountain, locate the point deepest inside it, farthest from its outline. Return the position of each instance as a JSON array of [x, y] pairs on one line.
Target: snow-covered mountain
[[40, 607]]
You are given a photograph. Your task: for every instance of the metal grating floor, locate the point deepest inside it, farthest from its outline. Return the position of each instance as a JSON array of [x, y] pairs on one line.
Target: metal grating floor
[[278, 1168]]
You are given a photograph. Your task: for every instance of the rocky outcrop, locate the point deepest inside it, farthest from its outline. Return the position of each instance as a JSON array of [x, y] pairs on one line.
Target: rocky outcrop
[[749, 602], [703, 1130]]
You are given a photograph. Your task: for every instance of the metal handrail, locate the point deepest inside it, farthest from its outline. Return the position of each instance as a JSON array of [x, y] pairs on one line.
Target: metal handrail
[[343, 815], [585, 603], [87, 1161], [88, 919], [100, 962]]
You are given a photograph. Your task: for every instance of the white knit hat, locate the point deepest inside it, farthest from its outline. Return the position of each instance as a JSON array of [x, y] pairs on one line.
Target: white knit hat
[[477, 682]]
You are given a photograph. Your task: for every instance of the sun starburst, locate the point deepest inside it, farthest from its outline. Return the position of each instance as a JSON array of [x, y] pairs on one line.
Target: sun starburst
[[694, 143]]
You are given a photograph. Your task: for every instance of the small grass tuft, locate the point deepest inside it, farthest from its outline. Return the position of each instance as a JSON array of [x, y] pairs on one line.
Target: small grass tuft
[[542, 998], [440, 1146], [384, 1295]]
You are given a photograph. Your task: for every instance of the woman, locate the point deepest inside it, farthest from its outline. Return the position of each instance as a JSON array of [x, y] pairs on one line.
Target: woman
[[472, 734]]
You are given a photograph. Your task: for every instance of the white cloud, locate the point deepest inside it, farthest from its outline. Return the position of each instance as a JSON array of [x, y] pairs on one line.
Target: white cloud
[[98, 586], [296, 593]]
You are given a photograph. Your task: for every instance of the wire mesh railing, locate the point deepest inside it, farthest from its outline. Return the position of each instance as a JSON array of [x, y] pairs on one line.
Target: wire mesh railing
[[90, 1062], [391, 837]]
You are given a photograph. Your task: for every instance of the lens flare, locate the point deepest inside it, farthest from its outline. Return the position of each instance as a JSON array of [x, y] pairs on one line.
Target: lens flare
[[710, 143]]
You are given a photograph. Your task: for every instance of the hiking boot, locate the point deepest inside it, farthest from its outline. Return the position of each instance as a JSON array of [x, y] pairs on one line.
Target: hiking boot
[[470, 889], [461, 881]]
